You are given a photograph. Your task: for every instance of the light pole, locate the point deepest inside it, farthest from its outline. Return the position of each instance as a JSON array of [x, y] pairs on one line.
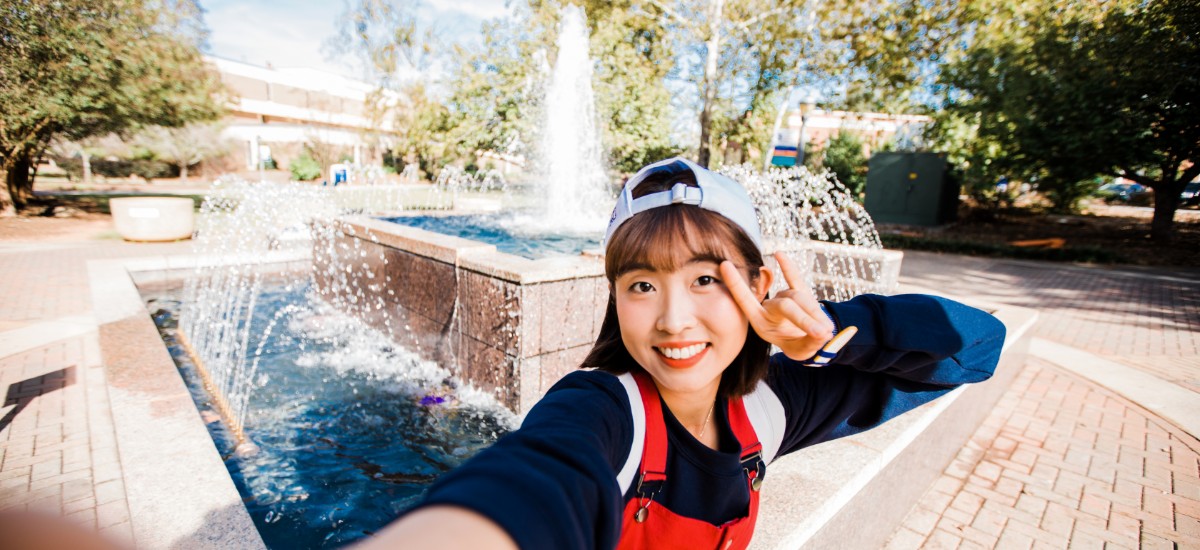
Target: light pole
[[806, 106], [775, 137]]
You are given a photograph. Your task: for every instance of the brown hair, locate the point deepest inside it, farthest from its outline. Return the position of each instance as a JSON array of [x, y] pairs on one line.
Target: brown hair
[[665, 238]]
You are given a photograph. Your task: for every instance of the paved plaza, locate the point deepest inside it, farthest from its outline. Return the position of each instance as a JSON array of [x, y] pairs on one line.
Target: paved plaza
[[1064, 461]]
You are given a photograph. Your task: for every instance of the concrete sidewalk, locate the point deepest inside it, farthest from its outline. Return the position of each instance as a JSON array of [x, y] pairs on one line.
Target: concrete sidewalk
[[1063, 462]]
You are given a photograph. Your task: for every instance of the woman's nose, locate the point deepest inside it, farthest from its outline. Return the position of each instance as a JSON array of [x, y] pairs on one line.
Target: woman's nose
[[678, 313]]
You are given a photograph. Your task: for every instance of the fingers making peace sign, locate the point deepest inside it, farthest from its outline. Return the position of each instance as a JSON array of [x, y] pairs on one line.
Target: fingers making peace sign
[[792, 320]]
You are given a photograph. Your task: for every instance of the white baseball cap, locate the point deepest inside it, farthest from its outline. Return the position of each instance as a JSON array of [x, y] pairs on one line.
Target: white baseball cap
[[716, 193]]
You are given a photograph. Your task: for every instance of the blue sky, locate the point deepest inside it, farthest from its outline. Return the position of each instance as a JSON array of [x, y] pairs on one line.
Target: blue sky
[[292, 33]]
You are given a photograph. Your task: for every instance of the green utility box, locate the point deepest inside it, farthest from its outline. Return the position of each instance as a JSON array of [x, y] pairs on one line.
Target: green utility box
[[911, 188]]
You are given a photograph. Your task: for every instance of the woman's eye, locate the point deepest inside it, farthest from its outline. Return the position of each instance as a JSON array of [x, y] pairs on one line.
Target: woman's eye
[[641, 287], [706, 280]]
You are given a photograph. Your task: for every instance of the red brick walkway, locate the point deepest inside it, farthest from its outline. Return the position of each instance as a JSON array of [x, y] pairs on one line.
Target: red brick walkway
[[58, 448], [1062, 463]]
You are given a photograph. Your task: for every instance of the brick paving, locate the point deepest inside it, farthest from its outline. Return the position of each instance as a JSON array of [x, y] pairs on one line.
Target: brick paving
[[58, 448], [1146, 319], [1063, 463]]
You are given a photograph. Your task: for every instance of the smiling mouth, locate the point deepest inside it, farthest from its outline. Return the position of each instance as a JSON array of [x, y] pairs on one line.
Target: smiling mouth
[[682, 357]]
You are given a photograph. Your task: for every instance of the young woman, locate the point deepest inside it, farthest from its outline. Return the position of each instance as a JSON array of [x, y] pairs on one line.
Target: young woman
[[663, 441]]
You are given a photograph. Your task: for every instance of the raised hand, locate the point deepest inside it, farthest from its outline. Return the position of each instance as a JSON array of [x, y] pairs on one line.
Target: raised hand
[[792, 319]]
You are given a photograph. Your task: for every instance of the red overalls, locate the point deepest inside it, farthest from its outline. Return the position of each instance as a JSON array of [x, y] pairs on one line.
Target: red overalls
[[648, 524]]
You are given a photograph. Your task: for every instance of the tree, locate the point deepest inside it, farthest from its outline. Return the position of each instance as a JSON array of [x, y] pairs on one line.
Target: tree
[[844, 157], [886, 56], [87, 148], [632, 59], [420, 125], [496, 94], [1077, 92], [744, 49], [79, 68], [185, 145]]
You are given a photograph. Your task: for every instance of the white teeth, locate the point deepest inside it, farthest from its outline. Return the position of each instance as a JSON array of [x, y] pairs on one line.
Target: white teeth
[[682, 353]]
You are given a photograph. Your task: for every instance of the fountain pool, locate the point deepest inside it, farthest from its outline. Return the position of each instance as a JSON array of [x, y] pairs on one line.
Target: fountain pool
[[504, 230], [347, 428]]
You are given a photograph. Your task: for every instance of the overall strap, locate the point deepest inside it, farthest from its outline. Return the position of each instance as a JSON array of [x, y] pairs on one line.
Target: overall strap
[[752, 450], [630, 469], [763, 408], [766, 414], [654, 452]]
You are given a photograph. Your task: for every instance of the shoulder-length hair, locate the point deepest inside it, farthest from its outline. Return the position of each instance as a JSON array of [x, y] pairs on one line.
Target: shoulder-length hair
[[666, 238]]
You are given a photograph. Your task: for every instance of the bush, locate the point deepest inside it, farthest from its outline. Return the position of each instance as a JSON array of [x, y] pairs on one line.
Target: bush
[[305, 168], [844, 157]]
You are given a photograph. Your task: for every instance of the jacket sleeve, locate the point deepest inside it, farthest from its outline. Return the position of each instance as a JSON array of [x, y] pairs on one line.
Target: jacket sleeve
[[552, 482], [909, 350]]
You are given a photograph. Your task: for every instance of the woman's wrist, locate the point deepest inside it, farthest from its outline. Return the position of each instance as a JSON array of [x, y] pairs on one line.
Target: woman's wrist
[[837, 340]]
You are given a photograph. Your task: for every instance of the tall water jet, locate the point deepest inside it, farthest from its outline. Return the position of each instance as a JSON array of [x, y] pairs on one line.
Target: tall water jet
[[575, 186]]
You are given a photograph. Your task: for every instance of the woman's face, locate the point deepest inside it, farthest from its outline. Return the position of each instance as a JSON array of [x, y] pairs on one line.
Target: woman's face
[[683, 327]]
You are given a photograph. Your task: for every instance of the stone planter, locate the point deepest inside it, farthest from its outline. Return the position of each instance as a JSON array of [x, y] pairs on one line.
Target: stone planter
[[153, 218]]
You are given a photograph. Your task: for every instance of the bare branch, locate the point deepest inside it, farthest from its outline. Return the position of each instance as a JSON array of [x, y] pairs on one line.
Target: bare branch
[[675, 15], [745, 25]]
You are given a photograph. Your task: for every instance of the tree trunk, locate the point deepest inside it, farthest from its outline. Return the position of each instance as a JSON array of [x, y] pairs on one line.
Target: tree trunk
[[1166, 201], [7, 208], [183, 174], [86, 160], [710, 80], [17, 180]]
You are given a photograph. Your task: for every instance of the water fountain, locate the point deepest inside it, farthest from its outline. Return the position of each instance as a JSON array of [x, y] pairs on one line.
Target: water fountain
[[577, 191]]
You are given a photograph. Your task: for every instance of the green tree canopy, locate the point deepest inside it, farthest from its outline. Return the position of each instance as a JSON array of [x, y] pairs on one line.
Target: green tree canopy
[[1071, 90], [80, 68]]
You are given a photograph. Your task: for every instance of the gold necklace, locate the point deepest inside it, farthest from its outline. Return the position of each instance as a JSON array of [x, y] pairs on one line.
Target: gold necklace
[[704, 426]]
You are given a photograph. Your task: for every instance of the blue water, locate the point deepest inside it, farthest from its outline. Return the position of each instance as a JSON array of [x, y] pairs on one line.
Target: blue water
[[495, 229], [350, 430]]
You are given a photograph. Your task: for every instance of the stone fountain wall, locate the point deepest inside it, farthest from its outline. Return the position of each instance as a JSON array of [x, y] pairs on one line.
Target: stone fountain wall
[[504, 323]]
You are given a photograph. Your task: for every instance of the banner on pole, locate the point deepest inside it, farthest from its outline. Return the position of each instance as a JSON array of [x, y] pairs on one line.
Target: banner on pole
[[783, 155]]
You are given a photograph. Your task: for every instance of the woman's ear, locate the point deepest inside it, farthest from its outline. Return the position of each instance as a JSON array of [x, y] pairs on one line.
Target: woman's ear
[[762, 285]]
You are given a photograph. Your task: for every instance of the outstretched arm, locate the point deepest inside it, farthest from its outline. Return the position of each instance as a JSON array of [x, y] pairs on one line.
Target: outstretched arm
[[442, 527], [909, 350], [550, 484]]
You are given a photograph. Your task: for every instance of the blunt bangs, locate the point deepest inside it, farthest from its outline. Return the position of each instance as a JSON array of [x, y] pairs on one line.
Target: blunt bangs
[[665, 239]]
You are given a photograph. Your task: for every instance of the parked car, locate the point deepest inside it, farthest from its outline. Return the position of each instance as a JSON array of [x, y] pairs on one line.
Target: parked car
[[1121, 192], [1191, 194]]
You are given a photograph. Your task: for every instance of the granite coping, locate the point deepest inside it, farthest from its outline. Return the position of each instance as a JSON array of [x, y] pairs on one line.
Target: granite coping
[[179, 492], [473, 255]]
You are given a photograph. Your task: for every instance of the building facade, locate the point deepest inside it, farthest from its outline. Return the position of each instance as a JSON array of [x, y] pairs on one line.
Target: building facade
[[873, 129], [272, 114]]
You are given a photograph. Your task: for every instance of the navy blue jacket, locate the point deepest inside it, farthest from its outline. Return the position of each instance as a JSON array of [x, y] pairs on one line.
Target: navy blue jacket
[[552, 483]]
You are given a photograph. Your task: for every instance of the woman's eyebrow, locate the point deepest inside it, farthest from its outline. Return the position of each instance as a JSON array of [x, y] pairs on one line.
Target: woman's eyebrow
[[706, 258], [636, 266]]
